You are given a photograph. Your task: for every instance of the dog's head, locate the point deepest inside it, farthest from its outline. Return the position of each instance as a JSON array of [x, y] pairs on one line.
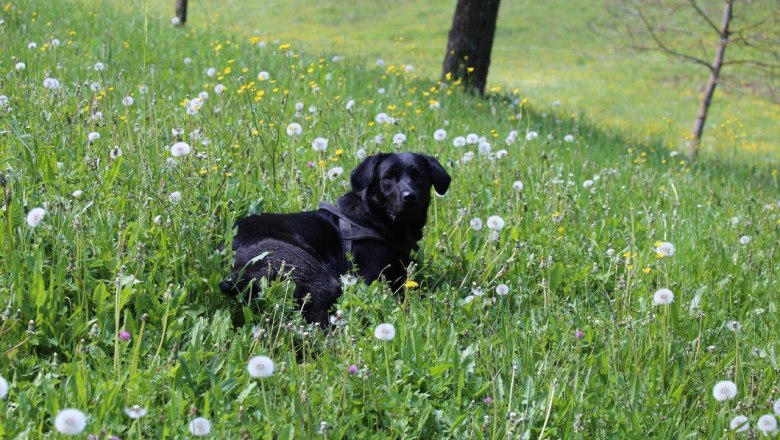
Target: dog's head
[[399, 185]]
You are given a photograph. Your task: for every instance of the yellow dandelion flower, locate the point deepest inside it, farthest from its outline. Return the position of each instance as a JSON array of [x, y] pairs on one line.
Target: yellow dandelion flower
[[411, 284]]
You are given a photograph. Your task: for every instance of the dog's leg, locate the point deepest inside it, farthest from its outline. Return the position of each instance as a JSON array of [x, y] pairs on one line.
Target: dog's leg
[[317, 289]]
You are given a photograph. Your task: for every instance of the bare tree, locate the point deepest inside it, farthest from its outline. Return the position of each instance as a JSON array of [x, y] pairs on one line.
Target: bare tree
[[691, 30], [470, 43]]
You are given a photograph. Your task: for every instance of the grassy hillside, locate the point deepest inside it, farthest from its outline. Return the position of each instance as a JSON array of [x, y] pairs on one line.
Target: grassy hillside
[[550, 327], [548, 50]]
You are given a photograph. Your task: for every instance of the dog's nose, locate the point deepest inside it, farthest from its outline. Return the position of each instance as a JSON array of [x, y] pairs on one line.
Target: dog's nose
[[409, 196]]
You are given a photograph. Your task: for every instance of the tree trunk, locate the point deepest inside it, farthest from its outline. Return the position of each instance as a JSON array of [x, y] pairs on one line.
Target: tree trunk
[[181, 11], [709, 91], [470, 43]]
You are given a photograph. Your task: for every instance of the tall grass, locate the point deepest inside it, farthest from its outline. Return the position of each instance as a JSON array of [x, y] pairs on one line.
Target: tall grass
[[112, 299]]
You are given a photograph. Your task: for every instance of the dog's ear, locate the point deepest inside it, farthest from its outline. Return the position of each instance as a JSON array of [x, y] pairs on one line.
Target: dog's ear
[[441, 180], [362, 176]]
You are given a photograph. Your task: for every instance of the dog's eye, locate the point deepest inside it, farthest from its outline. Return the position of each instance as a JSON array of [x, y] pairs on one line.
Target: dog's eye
[[414, 173], [389, 176]]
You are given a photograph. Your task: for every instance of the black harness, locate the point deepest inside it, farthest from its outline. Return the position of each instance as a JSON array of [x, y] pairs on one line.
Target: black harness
[[351, 231]]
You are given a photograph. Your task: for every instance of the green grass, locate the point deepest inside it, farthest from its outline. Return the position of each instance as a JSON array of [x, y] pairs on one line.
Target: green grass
[[550, 51], [126, 256]]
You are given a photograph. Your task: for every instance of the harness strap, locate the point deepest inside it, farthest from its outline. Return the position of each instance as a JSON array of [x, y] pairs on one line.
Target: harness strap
[[351, 231]]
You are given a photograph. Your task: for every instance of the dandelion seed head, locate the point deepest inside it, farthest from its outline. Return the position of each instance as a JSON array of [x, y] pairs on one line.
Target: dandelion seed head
[[475, 224], [200, 427], [135, 412], [459, 141], [20, 66], [518, 186], [3, 388], [260, 366], [180, 149], [502, 290], [664, 249], [767, 424], [294, 129], [531, 135], [319, 144], [739, 424], [51, 83], [724, 390], [385, 332], [70, 421], [495, 223], [745, 239], [35, 216], [335, 172], [663, 297], [568, 138], [440, 135]]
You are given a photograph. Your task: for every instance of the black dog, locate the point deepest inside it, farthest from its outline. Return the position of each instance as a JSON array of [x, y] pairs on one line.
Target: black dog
[[378, 223]]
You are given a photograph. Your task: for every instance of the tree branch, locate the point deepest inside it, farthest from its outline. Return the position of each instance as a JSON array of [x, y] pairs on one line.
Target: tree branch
[[663, 47], [754, 63], [704, 16]]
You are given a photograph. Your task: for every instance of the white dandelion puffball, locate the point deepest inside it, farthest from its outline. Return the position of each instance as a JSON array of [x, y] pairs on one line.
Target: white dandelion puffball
[[399, 139], [294, 129], [739, 424], [385, 332], [204, 95], [440, 134], [51, 83], [3, 388], [174, 197], [335, 172], [502, 290], [77, 194], [568, 138], [200, 427], [381, 118], [135, 412], [495, 223], [260, 366], [663, 297], [767, 424], [298, 106], [724, 390], [360, 154], [263, 76], [4, 101], [35, 216], [20, 66], [776, 407], [531, 135], [210, 72], [518, 186], [70, 421], [175, 21], [219, 89], [472, 138], [745, 239], [484, 148], [475, 224], [187, 61], [665, 249], [459, 141], [99, 67], [587, 184], [32, 45], [319, 144], [350, 105], [115, 152], [180, 149], [127, 100], [93, 136]]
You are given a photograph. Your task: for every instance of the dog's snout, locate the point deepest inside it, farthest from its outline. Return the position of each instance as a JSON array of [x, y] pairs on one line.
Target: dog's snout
[[409, 196]]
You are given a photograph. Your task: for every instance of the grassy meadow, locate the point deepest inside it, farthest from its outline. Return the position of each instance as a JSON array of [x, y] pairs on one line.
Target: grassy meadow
[[552, 50], [556, 325]]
